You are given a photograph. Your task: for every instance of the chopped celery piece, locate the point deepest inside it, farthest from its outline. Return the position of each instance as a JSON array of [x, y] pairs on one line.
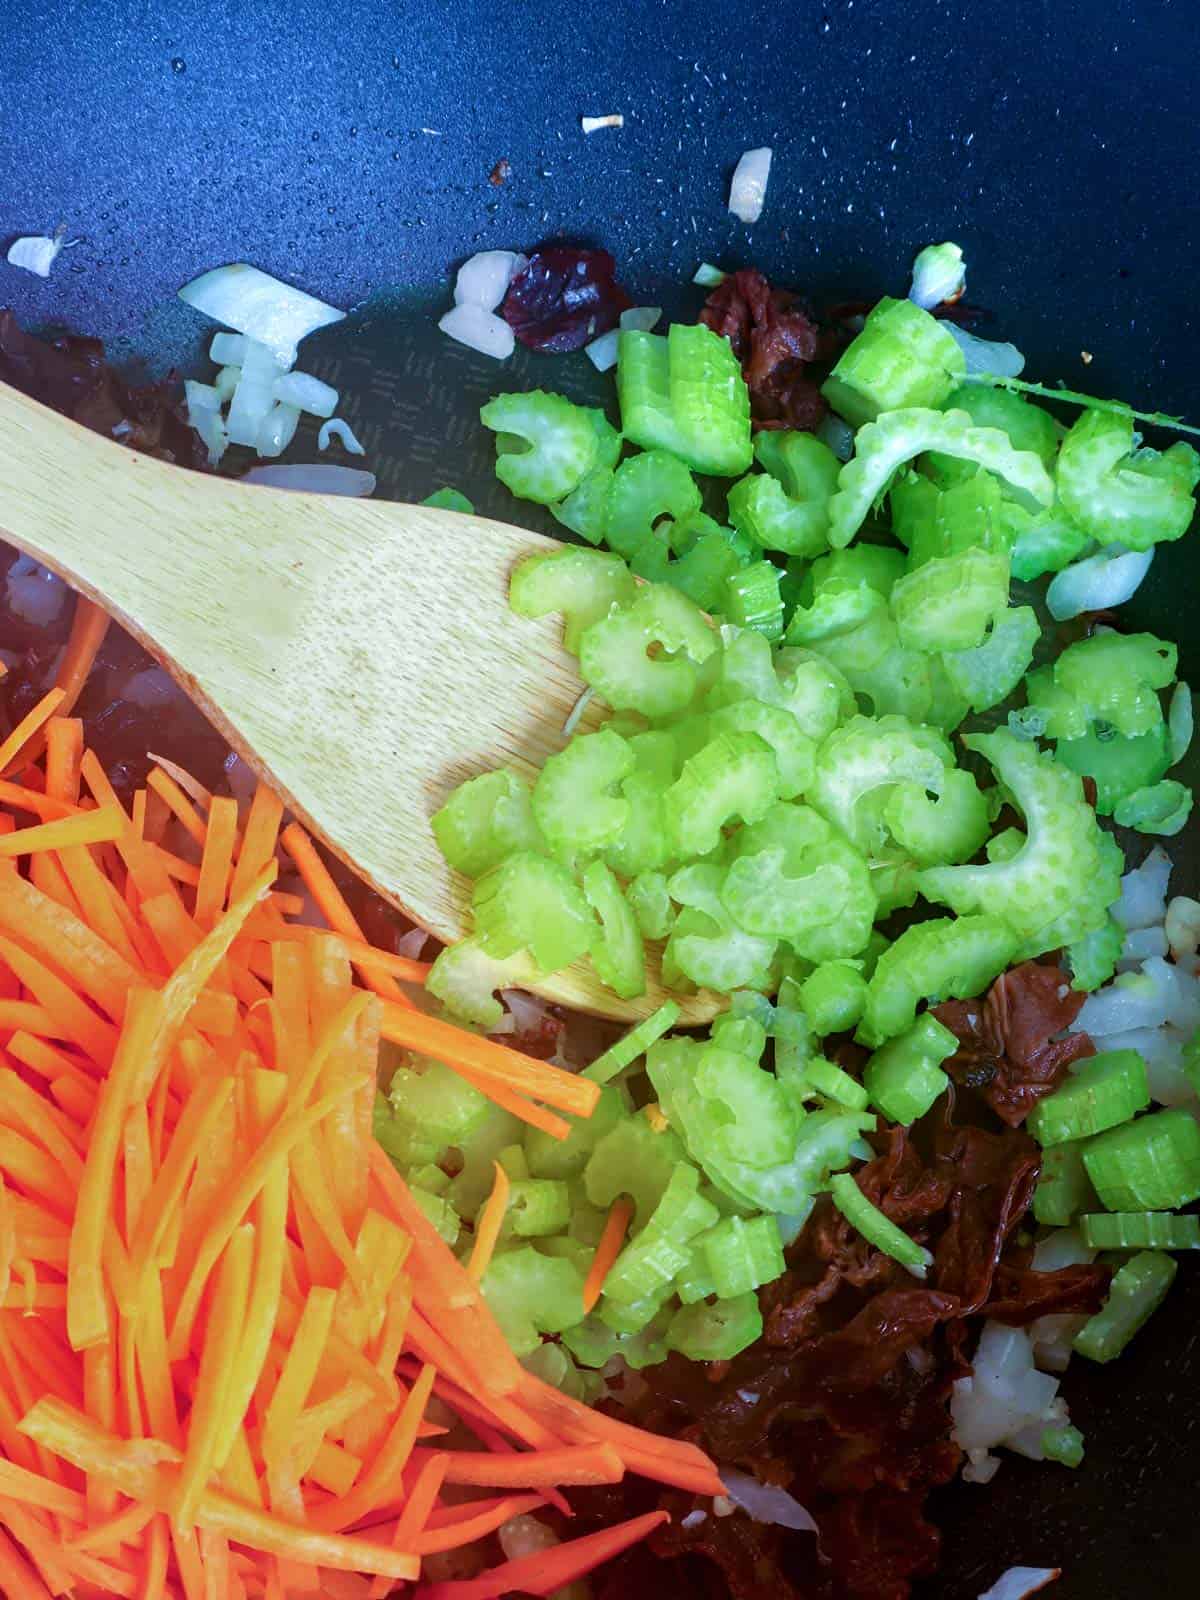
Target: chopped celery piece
[[652, 906], [440, 1212], [694, 1280], [1093, 958], [428, 1177], [478, 1152], [786, 506], [893, 680], [812, 689], [685, 393], [991, 671], [1062, 1444], [1064, 1188], [716, 1332], [584, 585], [877, 1229], [1117, 765], [585, 509], [903, 1077], [742, 1255], [883, 446], [740, 1113], [971, 514], [618, 953], [1140, 1230], [1059, 887], [949, 604], [744, 1035], [868, 755], [702, 569], [484, 820], [902, 357], [1138, 1290], [734, 776], [554, 444], [1119, 494], [833, 996], [843, 590], [1110, 677], [1044, 541], [1104, 1091], [513, 1159], [834, 1083], [946, 958], [707, 947], [1027, 426], [593, 1343], [794, 751], [465, 978], [448, 499], [649, 1262], [548, 1157], [631, 1317], [551, 1363], [531, 903], [949, 828], [1152, 1164], [538, 1206], [1162, 808], [795, 878], [644, 489], [529, 1294], [633, 1159], [752, 599], [643, 846], [614, 659], [573, 800]]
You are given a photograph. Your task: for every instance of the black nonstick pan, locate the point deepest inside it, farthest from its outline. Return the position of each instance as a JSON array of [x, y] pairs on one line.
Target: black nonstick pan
[[349, 148]]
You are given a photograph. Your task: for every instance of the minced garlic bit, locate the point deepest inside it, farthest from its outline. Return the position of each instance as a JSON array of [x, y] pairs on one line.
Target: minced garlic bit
[[594, 124], [1086, 357]]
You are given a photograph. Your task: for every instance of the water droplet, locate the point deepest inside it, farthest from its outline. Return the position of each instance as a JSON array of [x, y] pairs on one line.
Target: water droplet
[[353, 132], [178, 64], [316, 137]]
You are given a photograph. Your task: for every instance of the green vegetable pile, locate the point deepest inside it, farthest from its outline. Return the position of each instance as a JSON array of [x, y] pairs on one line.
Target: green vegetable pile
[[777, 777]]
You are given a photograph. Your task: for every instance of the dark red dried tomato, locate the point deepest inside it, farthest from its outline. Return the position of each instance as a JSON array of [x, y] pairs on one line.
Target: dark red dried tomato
[[775, 339], [564, 298]]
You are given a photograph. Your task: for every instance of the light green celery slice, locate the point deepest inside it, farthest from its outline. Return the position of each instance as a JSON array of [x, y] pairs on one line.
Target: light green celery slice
[[531, 903], [1137, 1291], [1118, 766], [529, 1294], [949, 603], [989, 673], [902, 357], [786, 506], [949, 828], [794, 751], [867, 755], [584, 585], [484, 820], [585, 509], [644, 489], [866, 1219], [945, 959], [733, 776], [613, 656], [561, 443], [1163, 808], [1110, 677], [652, 906], [710, 403], [1119, 494], [706, 946], [465, 979], [618, 953], [574, 803]]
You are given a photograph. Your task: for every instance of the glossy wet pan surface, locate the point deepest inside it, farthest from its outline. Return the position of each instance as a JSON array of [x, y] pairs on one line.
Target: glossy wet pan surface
[[350, 148]]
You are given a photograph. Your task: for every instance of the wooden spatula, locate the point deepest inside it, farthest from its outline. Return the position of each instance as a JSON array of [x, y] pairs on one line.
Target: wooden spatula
[[359, 654]]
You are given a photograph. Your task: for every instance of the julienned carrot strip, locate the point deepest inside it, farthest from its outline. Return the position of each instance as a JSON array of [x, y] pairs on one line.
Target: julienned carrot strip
[[123, 1527], [259, 838], [609, 1248], [421, 1500], [26, 1017], [22, 1108], [180, 806], [195, 1124], [29, 725], [18, 1580], [101, 906], [359, 952], [571, 1465], [154, 1564], [299, 1369], [49, 807], [64, 752], [388, 1465], [491, 1220], [138, 1164], [190, 785], [216, 863], [86, 827], [546, 1570], [89, 626], [486, 1519], [56, 936], [16, 1483]]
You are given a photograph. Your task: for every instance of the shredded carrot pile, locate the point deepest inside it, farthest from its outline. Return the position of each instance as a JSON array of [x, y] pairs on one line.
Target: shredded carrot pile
[[224, 1319]]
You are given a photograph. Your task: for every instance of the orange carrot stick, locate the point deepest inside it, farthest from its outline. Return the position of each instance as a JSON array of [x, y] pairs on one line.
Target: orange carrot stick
[[491, 1220], [88, 629], [217, 860], [534, 1469], [85, 827], [259, 839], [14, 746], [546, 1570], [178, 803], [607, 1251], [486, 1519]]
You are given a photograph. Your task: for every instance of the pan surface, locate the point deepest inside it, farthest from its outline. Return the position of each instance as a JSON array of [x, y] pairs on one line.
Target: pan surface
[[350, 149]]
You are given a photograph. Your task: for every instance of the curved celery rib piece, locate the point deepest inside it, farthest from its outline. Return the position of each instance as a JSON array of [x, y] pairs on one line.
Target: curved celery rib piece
[[585, 509], [549, 1157], [786, 506], [484, 820], [573, 800], [902, 357], [1110, 677], [795, 878], [991, 671], [1027, 425], [717, 1331], [752, 599], [614, 659], [465, 978], [651, 902], [1152, 1164], [531, 903], [867, 755], [1104, 1092], [883, 446], [1118, 766], [950, 828], [1137, 1291], [1119, 494], [685, 393], [904, 1076], [947, 958], [734, 776], [833, 996], [1045, 541], [1162, 808], [530, 1294], [971, 514], [877, 1229], [894, 680], [618, 953], [584, 585], [842, 590], [547, 445], [1093, 958], [949, 603], [644, 489], [706, 946], [649, 1262], [812, 689], [1060, 885], [742, 1254], [793, 750], [634, 1159]]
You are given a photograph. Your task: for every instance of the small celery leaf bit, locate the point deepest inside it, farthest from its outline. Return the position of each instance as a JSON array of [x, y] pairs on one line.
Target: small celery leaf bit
[[939, 274], [898, 436], [1159, 419]]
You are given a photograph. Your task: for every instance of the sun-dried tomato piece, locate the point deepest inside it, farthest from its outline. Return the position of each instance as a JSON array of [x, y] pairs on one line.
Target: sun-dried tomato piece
[[564, 298]]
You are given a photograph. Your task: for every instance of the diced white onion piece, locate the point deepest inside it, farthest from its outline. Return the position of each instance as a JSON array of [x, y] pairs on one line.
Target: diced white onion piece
[[694, 1519], [748, 191], [837, 433], [615, 119], [338, 428], [479, 330], [525, 1536], [708, 276], [1140, 943], [306, 393], [763, 1502], [1062, 1248], [35, 253], [1053, 1340], [987, 355], [1143, 899], [277, 429], [1097, 584], [1019, 1582], [483, 280], [1005, 1394], [35, 594], [414, 941], [939, 274], [226, 382], [313, 478], [1182, 928], [254, 303], [576, 712], [602, 352], [202, 396], [228, 349], [980, 1466], [1133, 1000], [641, 318], [1180, 722], [254, 395], [204, 414]]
